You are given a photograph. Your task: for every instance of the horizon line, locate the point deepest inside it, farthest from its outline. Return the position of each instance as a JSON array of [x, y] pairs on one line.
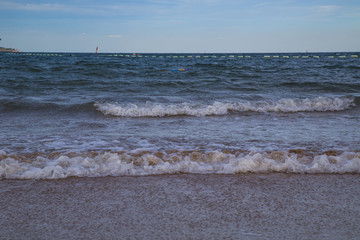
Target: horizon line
[[202, 53]]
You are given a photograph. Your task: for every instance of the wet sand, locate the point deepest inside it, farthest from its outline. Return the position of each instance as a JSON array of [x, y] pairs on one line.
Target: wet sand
[[185, 206]]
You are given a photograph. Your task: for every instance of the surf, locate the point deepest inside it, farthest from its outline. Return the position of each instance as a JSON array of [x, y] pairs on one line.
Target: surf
[[153, 109], [139, 163]]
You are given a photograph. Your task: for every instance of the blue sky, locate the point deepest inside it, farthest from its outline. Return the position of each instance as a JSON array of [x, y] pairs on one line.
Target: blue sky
[[180, 26]]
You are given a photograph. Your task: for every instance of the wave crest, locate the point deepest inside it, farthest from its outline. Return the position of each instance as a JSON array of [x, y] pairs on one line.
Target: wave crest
[[150, 109], [92, 164]]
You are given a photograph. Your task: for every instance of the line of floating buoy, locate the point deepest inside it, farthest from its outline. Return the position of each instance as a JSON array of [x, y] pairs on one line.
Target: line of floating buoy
[[232, 56]]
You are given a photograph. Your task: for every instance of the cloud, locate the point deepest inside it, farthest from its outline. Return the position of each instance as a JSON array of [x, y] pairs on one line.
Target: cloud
[[115, 36], [51, 7], [326, 8], [128, 9], [34, 6]]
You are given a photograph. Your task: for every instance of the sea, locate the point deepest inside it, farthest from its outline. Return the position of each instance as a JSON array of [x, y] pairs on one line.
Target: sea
[[124, 123]]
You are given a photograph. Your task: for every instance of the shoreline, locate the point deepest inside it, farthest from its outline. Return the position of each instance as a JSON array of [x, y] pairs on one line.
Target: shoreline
[[183, 206]]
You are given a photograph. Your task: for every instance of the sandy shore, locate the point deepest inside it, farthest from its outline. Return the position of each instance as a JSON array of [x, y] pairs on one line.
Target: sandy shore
[[188, 206]]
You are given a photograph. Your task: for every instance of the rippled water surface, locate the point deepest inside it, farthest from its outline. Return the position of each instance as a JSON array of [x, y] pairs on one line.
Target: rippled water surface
[[67, 115]]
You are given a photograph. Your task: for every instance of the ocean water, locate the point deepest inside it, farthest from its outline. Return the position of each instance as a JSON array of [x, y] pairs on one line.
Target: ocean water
[[95, 115]]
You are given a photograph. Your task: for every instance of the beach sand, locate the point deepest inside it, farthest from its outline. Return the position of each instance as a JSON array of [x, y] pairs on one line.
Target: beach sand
[[184, 206]]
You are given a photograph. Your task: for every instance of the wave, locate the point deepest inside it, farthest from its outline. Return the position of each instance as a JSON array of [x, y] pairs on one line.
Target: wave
[[133, 163], [326, 86], [150, 109], [29, 105]]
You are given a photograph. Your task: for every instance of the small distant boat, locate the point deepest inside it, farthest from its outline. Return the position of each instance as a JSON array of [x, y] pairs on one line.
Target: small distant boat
[[96, 51]]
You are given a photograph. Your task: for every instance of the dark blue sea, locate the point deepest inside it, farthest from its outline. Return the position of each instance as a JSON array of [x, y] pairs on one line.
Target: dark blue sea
[[179, 146], [94, 115]]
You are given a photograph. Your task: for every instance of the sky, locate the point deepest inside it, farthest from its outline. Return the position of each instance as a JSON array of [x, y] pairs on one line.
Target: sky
[[181, 26]]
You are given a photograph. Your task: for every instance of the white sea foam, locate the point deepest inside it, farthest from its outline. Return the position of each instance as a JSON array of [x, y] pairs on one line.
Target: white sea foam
[[150, 109], [173, 162]]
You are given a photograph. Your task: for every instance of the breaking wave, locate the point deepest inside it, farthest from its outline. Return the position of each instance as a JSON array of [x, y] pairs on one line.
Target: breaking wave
[[151, 109], [133, 163]]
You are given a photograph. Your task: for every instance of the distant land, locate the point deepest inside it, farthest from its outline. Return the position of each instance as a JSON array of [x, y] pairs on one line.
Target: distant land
[[2, 49]]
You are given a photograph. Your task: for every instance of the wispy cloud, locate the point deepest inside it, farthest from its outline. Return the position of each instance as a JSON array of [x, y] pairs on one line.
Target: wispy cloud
[[64, 8], [115, 36], [131, 9], [34, 6], [154, 8], [326, 9]]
